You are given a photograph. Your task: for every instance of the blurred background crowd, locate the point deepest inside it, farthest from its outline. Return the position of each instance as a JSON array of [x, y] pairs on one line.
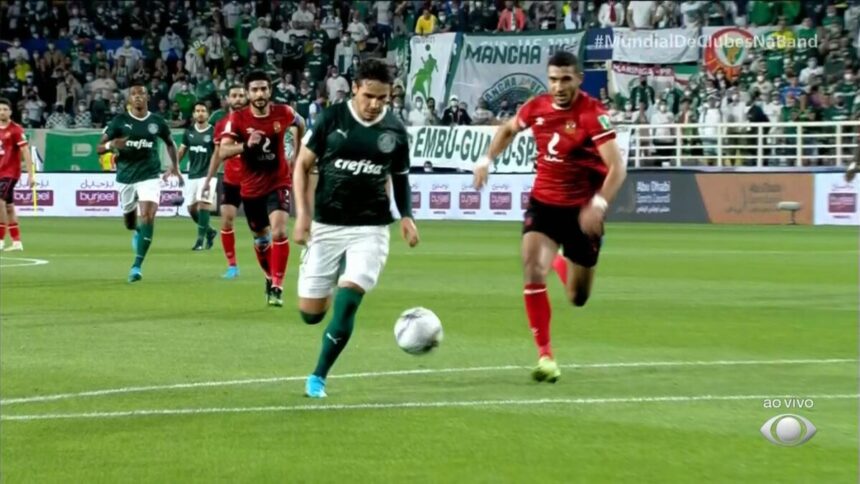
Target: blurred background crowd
[[185, 51]]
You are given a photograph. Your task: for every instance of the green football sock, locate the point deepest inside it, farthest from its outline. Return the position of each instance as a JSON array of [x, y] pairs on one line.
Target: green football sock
[[202, 224], [144, 240], [339, 329], [194, 216]]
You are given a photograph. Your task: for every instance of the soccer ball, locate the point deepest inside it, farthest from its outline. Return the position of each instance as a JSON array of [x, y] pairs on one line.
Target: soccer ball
[[418, 331]]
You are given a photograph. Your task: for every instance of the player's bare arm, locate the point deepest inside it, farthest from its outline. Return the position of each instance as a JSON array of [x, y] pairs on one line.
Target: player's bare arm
[[181, 153], [501, 140], [28, 163], [591, 217], [298, 134], [301, 177], [214, 162], [106, 144], [231, 148], [174, 164]]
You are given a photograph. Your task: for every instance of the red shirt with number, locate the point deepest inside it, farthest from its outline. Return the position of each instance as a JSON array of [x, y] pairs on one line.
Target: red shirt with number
[[12, 141], [264, 168], [569, 167], [233, 165]]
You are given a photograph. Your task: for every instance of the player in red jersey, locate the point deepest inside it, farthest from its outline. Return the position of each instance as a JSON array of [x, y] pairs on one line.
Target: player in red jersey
[[13, 145], [257, 133], [579, 172], [231, 199]]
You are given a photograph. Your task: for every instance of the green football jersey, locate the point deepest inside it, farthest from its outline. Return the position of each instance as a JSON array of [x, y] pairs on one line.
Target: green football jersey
[[200, 145], [354, 159], [139, 160]]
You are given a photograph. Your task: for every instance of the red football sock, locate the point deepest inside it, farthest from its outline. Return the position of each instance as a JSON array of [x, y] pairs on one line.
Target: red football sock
[[263, 254], [539, 313], [228, 242], [2, 231], [560, 266], [280, 256]]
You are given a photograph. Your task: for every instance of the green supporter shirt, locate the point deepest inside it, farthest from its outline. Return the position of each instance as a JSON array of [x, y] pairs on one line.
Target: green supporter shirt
[[139, 160], [303, 103], [837, 113], [760, 13], [217, 116], [775, 62], [186, 102], [200, 145], [354, 160], [317, 64]]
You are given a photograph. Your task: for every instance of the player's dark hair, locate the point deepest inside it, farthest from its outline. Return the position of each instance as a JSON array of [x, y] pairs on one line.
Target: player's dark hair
[[373, 70], [5, 101], [138, 83], [257, 75], [563, 58], [199, 103], [235, 86]]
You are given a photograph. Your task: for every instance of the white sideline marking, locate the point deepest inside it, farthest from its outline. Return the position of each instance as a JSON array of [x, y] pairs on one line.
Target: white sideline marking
[[26, 262], [411, 405], [375, 374]]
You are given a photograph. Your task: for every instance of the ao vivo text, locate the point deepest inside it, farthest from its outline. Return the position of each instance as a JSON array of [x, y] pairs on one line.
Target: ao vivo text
[[788, 403]]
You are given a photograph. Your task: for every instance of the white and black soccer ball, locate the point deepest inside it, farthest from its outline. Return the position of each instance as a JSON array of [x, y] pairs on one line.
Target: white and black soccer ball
[[418, 331]]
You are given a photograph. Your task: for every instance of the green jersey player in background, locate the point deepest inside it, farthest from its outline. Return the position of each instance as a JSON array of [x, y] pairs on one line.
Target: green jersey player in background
[[199, 142], [133, 135], [355, 146]]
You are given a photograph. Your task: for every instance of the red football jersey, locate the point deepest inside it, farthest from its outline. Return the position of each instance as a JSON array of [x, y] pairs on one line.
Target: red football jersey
[[569, 168], [12, 141], [232, 166], [265, 169]]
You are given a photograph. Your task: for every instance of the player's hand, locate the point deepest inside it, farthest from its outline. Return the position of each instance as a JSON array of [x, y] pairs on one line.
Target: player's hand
[[118, 143], [205, 193], [302, 230], [481, 173], [591, 220], [409, 231]]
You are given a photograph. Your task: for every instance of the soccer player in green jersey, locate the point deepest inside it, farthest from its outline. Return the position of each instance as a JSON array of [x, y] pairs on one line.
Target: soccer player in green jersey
[[133, 135], [199, 142], [355, 147]]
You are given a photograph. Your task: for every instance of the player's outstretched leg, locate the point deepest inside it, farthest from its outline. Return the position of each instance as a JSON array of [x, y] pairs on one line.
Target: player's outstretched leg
[[538, 252], [336, 336], [145, 231], [129, 219], [14, 231], [578, 287], [204, 231], [195, 217]]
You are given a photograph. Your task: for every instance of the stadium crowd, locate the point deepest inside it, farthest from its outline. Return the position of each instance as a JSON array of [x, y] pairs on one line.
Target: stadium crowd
[[194, 50]]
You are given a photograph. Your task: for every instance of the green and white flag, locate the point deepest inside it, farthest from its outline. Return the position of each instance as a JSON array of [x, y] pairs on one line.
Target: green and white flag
[[507, 67], [429, 59]]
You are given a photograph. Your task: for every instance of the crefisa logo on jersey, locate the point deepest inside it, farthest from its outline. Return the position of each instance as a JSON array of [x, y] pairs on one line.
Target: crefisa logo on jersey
[[501, 197], [470, 199], [440, 197]]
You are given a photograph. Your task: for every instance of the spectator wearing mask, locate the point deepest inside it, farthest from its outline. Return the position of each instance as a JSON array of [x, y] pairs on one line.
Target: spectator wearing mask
[[812, 69], [261, 37], [710, 120], [216, 47], [83, 118], [317, 62], [171, 45], [302, 21], [643, 93], [417, 116], [35, 106], [793, 89], [103, 84], [454, 115], [512, 18], [17, 51], [344, 52], [399, 110], [132, 54], [483, 116], [232, 12], [762, 85], [332, 25], [58, 119], [335, 83], [358, 31], [431, 115], [353, 69], [611, 14]]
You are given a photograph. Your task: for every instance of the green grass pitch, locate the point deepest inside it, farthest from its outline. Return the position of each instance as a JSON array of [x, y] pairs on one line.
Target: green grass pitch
[[689, 328]]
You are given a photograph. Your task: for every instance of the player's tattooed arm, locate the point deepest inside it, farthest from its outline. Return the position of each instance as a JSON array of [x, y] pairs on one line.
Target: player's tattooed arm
[[301, 178]]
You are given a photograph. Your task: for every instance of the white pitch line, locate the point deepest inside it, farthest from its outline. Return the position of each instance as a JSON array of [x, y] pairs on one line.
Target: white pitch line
[[411, 405], [27, 262], [376, 374]]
